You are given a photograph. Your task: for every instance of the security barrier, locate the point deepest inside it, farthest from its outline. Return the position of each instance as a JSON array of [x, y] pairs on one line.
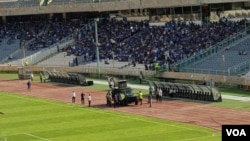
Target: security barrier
[[66, 77], [189, 91]]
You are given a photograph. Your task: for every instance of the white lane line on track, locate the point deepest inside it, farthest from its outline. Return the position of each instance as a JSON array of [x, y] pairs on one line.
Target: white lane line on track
[[36, 136]]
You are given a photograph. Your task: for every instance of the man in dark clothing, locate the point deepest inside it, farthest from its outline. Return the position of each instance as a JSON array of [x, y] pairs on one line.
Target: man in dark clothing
[[76, 61], [82, 98], [41, 77], [150, 100], [115, 100], [29, 85], [141, 77]]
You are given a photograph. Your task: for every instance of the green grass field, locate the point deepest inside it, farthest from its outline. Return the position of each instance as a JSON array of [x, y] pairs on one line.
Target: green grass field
[[33, 119]]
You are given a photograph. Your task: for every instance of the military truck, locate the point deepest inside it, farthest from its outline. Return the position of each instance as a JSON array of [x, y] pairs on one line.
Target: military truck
[[123, 95]]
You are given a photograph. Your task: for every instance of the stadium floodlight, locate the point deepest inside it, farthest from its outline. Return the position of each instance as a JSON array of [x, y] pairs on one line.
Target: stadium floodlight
[[97, 48], [23, 44]]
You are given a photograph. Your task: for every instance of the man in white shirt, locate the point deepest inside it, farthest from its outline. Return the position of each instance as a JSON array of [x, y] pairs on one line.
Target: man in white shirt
[[31, 76], [73, 97], [160, 95], [89, 99]]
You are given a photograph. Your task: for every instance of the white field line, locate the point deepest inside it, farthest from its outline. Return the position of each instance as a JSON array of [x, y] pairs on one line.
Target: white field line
[[36, 136], [190, 139]]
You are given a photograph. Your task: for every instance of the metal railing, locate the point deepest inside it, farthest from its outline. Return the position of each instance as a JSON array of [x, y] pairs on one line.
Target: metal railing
[[239, 69], [226, 43], [37, 57]]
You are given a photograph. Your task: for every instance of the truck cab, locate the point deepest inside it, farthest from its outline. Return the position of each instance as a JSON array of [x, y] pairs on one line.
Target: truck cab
[[124, 94]]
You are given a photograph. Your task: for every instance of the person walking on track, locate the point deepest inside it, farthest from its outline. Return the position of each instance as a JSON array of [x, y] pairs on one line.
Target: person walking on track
[[73, 97], [89, 99], [82, 98], [150, 99], [29, 85], [140, 97]]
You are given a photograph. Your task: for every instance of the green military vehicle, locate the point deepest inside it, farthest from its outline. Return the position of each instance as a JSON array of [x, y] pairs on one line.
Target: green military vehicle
[[122, 95]]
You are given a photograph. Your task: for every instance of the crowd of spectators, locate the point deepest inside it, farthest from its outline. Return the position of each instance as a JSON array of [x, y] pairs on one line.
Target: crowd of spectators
[[131, 41], [138, 42]]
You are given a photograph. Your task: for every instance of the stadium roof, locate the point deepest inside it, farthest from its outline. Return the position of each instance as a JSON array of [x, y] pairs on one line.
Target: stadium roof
[[8, 0]]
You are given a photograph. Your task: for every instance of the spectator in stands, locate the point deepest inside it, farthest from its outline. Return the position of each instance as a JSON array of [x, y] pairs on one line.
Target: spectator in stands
[[10, 57], [140, 77], [133, 63], [106, 61], [26, 63], [243, 52], [129, 40]]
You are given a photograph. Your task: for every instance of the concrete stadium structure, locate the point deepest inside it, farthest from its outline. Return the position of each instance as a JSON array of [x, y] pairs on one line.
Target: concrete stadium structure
[[156, 11]]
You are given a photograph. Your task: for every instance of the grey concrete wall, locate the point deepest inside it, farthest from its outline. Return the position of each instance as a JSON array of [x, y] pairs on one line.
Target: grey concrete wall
[[226, 80], [106, 6]]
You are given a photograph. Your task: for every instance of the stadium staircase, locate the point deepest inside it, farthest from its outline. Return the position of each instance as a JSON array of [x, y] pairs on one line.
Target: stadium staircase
[[8, 47], [34, 57], [19, 53], [222, 58], [58, 59]]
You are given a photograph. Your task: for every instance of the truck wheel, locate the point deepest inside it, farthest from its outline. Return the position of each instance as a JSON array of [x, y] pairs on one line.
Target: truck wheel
[[125, 103], [136, 101]]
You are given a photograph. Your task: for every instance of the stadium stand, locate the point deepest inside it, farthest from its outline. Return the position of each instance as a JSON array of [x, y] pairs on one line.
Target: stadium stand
[[239, 52], [225, 61], [132, 41], [8, 46], [127, 42], [19, 3]]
